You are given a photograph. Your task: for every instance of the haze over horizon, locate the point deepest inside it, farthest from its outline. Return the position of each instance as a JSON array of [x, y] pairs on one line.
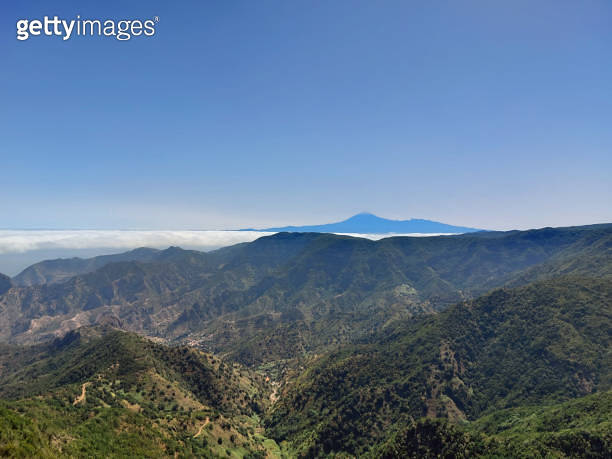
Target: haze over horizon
[[20, 248], [278, 222]]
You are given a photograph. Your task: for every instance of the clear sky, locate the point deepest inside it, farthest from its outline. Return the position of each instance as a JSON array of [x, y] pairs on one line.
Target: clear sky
[[262, 113]]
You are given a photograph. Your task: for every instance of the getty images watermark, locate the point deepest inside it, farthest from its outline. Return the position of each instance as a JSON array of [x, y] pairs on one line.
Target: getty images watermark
[[121, 30]]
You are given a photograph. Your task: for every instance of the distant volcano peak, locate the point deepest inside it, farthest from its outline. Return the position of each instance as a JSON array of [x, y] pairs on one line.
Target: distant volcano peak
[[366, 222]]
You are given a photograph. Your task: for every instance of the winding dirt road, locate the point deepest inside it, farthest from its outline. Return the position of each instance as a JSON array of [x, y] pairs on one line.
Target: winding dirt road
[[81, 398], [206, 421]]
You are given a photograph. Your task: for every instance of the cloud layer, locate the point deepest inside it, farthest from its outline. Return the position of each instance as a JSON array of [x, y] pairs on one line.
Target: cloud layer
[[17, 241], [22, 248], [12, 241], [379, 236]]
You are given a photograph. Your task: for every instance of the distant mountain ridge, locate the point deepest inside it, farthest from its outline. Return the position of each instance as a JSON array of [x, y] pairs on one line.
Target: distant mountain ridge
[[366, 223], [254, 299], [62, 269]]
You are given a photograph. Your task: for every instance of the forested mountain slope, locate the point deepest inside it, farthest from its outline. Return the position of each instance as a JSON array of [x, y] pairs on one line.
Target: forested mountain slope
[[61, 269], [543, 343], [251, 299], [501, 341], [580, 427], [102, 392]]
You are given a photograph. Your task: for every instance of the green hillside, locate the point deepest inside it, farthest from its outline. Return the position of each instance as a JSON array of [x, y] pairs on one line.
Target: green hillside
[[483, 345], [101, 392], [577, 428], [542, 343], [249, 299], [506, 375]]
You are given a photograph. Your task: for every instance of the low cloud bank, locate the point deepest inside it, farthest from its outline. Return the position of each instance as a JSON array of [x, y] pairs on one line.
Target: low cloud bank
[[12, 241], [16, 241], [22, 248], [379, 236]]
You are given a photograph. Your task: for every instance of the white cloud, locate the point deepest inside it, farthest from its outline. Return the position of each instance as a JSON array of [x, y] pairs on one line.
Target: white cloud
[[13, 241], [21, 241], [379, 236]]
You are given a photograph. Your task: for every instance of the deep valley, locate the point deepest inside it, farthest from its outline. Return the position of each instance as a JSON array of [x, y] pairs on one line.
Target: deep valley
[[491, 344]]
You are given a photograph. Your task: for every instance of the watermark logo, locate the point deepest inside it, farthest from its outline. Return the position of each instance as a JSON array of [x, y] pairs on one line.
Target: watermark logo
[[121, 30]]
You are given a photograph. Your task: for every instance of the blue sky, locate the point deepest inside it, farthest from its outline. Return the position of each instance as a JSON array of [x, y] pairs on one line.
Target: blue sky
[[263, 113]]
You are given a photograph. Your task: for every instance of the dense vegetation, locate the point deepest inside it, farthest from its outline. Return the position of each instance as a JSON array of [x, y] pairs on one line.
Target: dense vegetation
[[249, 299], [577, 428], [580, 427], [101, 392], [542, 343], [481, 345]]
